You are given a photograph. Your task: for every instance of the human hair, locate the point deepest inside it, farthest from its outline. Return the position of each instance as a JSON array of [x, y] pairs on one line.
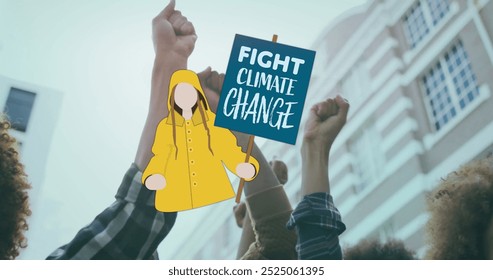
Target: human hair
[[201, 104], [461, 210], [14, 206], [376, 250]]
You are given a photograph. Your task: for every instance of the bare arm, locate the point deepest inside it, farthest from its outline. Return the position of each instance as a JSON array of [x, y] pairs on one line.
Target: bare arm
[[174, 40], [280, 170], [318, 231], [322, 127]]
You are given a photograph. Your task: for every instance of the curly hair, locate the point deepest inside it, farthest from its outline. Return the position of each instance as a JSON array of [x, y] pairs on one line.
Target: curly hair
[[375, 250], [14, 206], [461, 208]]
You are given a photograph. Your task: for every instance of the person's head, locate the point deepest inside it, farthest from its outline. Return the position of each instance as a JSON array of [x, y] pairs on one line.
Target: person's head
[[185, 96], [14, 207], [186, 93], [375, 250], [461, 214]]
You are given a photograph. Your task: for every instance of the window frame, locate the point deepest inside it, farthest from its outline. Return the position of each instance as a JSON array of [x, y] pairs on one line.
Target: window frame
[[428, 21], [449, 84], [24, 125]]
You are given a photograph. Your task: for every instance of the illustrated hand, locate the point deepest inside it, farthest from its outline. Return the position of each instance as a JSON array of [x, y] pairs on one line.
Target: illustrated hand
[[155, 182], [212, 83], [173, 33], [326, 121], [245, 170]]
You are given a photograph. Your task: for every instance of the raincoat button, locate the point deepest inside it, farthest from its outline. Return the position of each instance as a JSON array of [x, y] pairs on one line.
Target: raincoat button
[[192, 161], [189, 139], [189, 131], [194, 184], [190, 149], [193, 174]]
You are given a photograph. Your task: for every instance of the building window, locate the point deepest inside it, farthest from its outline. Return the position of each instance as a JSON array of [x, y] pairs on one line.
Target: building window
[[438, 9], [450, 85], [422, 17], [368, 157], [18, 108], [416, 26]]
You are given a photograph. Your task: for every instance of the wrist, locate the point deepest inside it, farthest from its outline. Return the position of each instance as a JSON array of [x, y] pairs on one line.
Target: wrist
[[169, 61], [316, 152], [314, 177]]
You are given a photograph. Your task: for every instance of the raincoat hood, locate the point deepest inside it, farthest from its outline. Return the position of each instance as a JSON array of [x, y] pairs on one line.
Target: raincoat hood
[[189, 77]]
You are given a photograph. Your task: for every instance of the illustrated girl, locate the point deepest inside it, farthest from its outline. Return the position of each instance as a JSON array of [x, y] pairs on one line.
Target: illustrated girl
[[187, 169]]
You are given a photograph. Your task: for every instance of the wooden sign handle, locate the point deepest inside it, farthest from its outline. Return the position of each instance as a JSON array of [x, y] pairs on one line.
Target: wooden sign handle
[[249, 150], [274, 38], [242, 181]]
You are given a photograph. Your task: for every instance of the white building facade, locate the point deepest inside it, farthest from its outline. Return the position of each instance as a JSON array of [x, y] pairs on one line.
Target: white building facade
[[418, 76]]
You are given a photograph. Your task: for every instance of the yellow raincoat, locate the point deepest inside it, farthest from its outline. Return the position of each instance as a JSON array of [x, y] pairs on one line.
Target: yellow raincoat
[[196, 177]]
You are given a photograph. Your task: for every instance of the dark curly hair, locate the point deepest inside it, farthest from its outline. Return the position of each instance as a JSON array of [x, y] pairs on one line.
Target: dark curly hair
[[375, 250], [461, 210], [14, 206]]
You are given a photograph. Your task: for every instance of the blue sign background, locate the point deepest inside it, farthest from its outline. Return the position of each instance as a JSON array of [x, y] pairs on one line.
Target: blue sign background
[[233, 92]]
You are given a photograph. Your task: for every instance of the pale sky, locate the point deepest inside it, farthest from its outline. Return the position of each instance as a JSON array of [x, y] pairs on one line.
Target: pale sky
[[99, 55]]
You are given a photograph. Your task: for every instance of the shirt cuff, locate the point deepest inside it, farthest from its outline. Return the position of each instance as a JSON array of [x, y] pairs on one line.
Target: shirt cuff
[[317, 209], [131, 189]]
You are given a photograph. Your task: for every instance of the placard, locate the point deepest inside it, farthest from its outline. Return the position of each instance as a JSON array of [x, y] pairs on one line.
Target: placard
[[265, 88]]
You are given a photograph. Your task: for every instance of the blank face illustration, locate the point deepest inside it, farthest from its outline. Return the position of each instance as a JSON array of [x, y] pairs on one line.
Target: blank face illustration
[[185, 95]]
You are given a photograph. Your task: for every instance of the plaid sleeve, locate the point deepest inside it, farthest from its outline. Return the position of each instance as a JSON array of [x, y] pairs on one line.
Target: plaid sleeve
[[130, 228], [318, 225]]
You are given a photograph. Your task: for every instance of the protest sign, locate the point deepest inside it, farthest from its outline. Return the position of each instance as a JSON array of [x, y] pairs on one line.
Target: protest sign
[[265, 89]]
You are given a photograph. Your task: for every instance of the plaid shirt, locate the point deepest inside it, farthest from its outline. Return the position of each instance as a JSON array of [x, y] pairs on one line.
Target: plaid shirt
[[131, 228], [318, 226]]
